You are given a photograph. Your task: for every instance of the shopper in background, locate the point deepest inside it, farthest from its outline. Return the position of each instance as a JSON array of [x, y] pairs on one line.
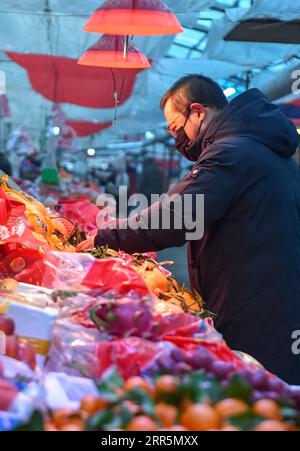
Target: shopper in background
[[121, 180], [30, 168], [247, 265], [132, 174], [152, 179], [5, 165]]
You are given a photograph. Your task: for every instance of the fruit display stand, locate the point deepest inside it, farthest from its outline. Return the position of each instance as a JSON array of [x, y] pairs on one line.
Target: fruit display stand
[[106, 341]]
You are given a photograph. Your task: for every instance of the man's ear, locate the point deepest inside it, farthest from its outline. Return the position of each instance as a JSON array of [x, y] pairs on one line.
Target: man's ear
[[200, 109]]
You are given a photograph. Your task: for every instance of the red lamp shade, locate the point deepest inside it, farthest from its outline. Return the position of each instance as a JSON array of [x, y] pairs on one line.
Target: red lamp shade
[[85, 128], [134, 17], [109, 52]]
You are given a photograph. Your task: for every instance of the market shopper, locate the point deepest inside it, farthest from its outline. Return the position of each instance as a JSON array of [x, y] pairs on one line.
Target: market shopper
[[152, 179], [5, 165], [30, 168], [247, 265]]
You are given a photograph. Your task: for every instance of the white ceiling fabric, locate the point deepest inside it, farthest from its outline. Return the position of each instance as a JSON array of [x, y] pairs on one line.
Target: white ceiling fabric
[[248, 54], [275, 9], [25, 28]]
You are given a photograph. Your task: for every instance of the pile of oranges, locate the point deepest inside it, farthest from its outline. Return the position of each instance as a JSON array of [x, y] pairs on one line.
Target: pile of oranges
[[168, 411]]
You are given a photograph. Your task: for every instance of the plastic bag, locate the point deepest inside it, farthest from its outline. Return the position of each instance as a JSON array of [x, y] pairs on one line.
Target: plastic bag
[[26, 265], [65, 392], [44, 229], [129, 355], [82, 272], [72, 349], [19, 393], [82, 211]]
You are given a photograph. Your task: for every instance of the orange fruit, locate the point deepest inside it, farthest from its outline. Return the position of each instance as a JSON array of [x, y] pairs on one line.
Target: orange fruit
[[138, 382], [231, 407], [62, 417], [153, 277], [92, 404], [292, 428], [200, 417], [271, 425], [176, 427], [230, 429], [175, 286], [185, 403], [142, 423], [267, 408], [166, 414], [167, 385], [72, 427], [49, 426]]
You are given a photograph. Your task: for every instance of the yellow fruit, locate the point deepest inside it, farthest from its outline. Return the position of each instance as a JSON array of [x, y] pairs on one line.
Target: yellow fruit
[[8, 285]]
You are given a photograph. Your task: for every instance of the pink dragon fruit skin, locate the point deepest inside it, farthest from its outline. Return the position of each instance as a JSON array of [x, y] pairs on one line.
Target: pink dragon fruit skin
[[124, 317]]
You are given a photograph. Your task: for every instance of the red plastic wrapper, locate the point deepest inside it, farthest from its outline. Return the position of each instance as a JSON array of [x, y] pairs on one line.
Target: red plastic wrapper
[[81, 211], [22, 251], [26, 265], [22, 255], [129, 355], [82, 272], [114, 275]]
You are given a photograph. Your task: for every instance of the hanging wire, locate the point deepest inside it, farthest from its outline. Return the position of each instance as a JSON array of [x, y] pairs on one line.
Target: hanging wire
[[117, 96]]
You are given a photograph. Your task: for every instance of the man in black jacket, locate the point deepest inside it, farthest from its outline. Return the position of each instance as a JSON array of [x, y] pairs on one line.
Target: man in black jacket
[[247, 264]]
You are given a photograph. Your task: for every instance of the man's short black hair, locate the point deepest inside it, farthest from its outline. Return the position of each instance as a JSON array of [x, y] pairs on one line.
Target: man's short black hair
[[195, 88]]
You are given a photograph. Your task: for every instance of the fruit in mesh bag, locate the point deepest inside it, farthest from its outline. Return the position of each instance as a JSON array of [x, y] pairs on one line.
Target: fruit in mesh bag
[[183, 298], [8, 285], [153, 276], [64, 226], [38, 219]]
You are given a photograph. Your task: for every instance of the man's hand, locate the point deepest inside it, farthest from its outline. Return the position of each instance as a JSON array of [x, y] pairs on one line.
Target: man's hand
[[87, 245]]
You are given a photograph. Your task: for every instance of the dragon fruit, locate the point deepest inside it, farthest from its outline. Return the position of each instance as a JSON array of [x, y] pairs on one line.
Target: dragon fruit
[[124, 317]]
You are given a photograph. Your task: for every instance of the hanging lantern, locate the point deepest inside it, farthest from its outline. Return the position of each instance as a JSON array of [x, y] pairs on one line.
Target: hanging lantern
[[134, 18], [114, 51]]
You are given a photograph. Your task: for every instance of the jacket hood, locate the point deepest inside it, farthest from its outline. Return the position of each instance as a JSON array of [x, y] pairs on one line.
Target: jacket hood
[[251, 115]]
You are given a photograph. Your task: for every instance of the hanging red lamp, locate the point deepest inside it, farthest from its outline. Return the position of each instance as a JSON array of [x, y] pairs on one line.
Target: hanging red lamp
[[134, 18], [115, 52]]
